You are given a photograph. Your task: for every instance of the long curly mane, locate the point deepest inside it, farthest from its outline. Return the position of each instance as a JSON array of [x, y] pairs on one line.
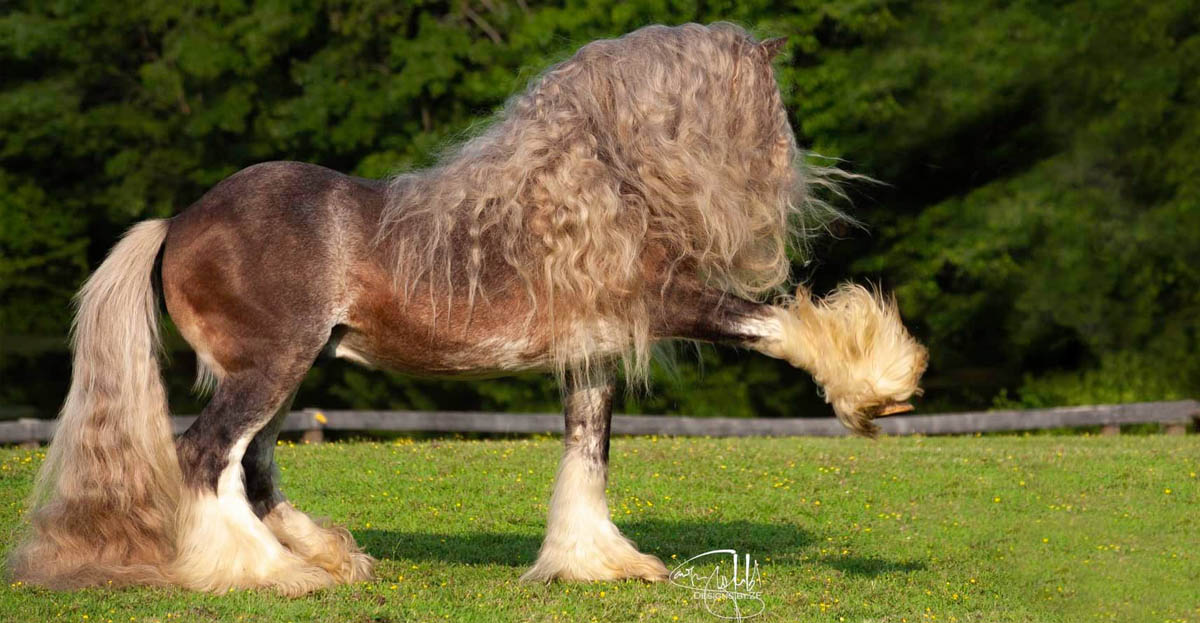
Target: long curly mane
[[665, 150]]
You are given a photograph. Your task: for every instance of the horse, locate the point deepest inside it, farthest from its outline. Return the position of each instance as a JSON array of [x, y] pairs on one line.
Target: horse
[[646, 189]]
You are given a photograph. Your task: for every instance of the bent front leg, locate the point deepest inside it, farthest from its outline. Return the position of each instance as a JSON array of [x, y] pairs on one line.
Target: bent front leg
[[581, 541], [852, 342], [709, 315]]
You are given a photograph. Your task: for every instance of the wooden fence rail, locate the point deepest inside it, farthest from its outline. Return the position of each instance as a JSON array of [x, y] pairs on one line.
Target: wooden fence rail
[[1175, 417]]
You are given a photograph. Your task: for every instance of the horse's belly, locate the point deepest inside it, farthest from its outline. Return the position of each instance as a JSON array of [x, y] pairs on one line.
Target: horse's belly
[[494, 355]]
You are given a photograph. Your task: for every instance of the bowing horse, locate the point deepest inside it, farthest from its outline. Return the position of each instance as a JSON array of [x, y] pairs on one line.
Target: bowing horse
[[648, 188]]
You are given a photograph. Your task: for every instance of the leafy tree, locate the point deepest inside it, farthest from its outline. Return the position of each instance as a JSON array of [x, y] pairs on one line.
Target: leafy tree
[[1038, 219]]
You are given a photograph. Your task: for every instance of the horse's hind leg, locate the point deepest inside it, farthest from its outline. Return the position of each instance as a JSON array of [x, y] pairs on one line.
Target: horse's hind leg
[[222, 544], [581, 541], [328, 546]]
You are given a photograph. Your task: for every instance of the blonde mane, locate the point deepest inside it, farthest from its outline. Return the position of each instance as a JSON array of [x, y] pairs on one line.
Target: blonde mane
[[665, 150]]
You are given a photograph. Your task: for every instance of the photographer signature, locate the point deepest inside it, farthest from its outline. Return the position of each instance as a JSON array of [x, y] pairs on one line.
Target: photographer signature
[[727, 587]]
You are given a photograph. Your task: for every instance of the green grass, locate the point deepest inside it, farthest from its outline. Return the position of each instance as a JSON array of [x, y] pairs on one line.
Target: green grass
[[904, 529]]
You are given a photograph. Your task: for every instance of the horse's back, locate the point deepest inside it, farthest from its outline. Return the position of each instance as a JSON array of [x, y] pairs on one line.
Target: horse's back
[[280, 194]]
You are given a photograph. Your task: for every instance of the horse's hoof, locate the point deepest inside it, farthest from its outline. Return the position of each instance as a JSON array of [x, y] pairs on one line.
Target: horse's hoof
[[360, 569], [648, 569], [635, 566]]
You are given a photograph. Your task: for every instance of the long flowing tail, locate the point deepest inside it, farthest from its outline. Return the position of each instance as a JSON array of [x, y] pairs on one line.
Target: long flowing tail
[[104, 503]]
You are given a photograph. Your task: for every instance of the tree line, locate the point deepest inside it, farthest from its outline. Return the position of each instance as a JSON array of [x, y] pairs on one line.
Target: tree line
[[1038, 214]]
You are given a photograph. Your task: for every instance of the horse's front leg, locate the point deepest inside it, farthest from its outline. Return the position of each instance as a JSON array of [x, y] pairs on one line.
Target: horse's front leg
[[851, 341], [581, 541]]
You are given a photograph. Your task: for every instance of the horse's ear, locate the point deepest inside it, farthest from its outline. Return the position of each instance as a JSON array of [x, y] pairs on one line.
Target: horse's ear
[[771, 47]]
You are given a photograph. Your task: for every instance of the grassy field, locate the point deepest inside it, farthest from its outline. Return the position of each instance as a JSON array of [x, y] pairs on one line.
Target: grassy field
[[1042, 528]]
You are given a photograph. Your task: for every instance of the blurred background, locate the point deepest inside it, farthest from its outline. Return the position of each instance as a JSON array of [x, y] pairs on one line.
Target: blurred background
[[1039, 219]]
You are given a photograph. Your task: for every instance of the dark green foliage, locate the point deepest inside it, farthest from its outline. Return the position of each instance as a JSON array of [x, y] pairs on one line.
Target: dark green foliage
[[1039, 221]]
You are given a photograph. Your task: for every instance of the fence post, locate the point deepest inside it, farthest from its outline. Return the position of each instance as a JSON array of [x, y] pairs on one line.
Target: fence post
[[315, 431], [1176, 427], [1110, 430]]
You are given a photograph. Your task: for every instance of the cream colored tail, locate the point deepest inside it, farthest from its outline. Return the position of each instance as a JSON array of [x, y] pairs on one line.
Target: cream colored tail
[[104, 503]]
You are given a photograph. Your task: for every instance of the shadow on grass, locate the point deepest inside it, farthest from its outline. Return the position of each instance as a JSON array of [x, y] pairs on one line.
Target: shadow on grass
[[662, 538], [870, 567], [781, 542], [477, 548]]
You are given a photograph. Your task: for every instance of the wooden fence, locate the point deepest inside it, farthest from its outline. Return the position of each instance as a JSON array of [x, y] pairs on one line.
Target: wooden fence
[[1174, 417]]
